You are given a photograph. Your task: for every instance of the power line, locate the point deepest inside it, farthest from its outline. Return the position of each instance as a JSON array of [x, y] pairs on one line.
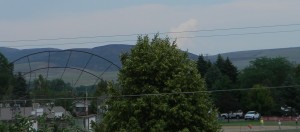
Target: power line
[[135, 34], [201, 36], [242, 34], [211, 91], [161, 94], [79, 43]]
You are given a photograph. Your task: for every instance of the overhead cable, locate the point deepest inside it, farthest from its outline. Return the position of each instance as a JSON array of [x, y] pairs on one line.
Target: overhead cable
[[136, 34]]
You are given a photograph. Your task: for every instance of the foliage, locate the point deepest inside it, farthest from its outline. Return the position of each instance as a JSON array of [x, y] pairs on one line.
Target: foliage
[[22, 124], [40, 88], [212, 75], [153, 67], [227, 68], [203, 65], [230, 70], [20, 90], [259, 99], [222, 75], [43, 88], [6, 75], [220, 63], [58, 124], [266, 71], [101, 90], [297, 72], [272, 72], [56, 88], [225, 101]]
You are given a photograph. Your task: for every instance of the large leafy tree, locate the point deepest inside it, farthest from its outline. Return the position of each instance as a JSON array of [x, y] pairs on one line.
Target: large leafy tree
[[266, 71], [259, 98], [272, 72], [153, 68], [6, 75]]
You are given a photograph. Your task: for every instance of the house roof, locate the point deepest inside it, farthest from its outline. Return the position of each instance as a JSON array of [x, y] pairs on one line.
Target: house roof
[[9, 113], [88, 102]]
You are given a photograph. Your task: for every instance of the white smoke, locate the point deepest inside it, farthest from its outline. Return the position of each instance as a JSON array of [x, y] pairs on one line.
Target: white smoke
[[179, 33]]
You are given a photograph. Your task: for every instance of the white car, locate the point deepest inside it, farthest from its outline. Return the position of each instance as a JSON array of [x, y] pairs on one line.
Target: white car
[[252, 115], [238, 114]]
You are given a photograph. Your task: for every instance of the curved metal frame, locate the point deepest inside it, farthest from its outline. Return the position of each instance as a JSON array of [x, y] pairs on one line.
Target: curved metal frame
[[66, 66], [49, 51]]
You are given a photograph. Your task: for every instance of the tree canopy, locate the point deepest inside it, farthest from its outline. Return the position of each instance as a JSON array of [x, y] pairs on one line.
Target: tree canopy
[[157, 67], [6, 75], [272, 72], [266, 71]]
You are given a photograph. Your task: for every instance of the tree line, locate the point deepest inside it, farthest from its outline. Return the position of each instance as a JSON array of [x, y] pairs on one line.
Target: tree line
[[267, 85], [13, 86], [160, 80]]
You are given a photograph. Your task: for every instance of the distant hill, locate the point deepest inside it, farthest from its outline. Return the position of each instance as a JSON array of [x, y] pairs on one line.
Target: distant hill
[[241, 59], [112, 53]]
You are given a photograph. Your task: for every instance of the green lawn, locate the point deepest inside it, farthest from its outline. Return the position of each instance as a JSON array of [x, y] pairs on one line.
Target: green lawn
[[255, 123], [291, 130], [270, 126]]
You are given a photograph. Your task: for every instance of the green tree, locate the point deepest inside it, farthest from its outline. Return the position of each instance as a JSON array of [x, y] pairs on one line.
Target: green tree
[[225, 101], [101, 90], [266, 71], [230, 70], [259, 98], [20, 90], [203, 65], [6, 75], [155, 67], [297, 73], [212, 75], [269, 72], [41, 88], [20, 124], [227, 68], [220, 63], [289, 95]]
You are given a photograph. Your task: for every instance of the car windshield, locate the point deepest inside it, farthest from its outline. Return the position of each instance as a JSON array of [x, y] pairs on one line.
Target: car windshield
[[251, 112]]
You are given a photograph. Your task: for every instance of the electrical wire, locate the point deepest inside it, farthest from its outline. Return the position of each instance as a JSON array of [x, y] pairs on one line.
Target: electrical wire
[[135, 34], [122, 41], [79, 43], [162, 94]]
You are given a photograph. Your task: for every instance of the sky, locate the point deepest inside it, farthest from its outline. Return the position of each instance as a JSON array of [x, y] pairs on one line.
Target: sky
[[199, 26]]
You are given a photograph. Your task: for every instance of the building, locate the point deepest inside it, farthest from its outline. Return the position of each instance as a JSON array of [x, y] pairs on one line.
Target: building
[[8, 113]]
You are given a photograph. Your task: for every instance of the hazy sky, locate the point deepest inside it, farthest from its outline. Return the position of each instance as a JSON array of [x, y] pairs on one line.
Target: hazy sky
[[37, 19]]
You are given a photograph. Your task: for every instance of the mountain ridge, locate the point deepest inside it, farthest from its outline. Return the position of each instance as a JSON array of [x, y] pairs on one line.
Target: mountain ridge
[[112, 53]]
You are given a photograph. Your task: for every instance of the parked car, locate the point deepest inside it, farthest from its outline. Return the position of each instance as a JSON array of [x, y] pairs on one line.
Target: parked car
[[252, 115], [238, 114]]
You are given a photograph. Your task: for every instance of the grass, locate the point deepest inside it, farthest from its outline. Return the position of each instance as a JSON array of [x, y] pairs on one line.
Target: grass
[[256, 123], [290, 130], [269, 126]]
